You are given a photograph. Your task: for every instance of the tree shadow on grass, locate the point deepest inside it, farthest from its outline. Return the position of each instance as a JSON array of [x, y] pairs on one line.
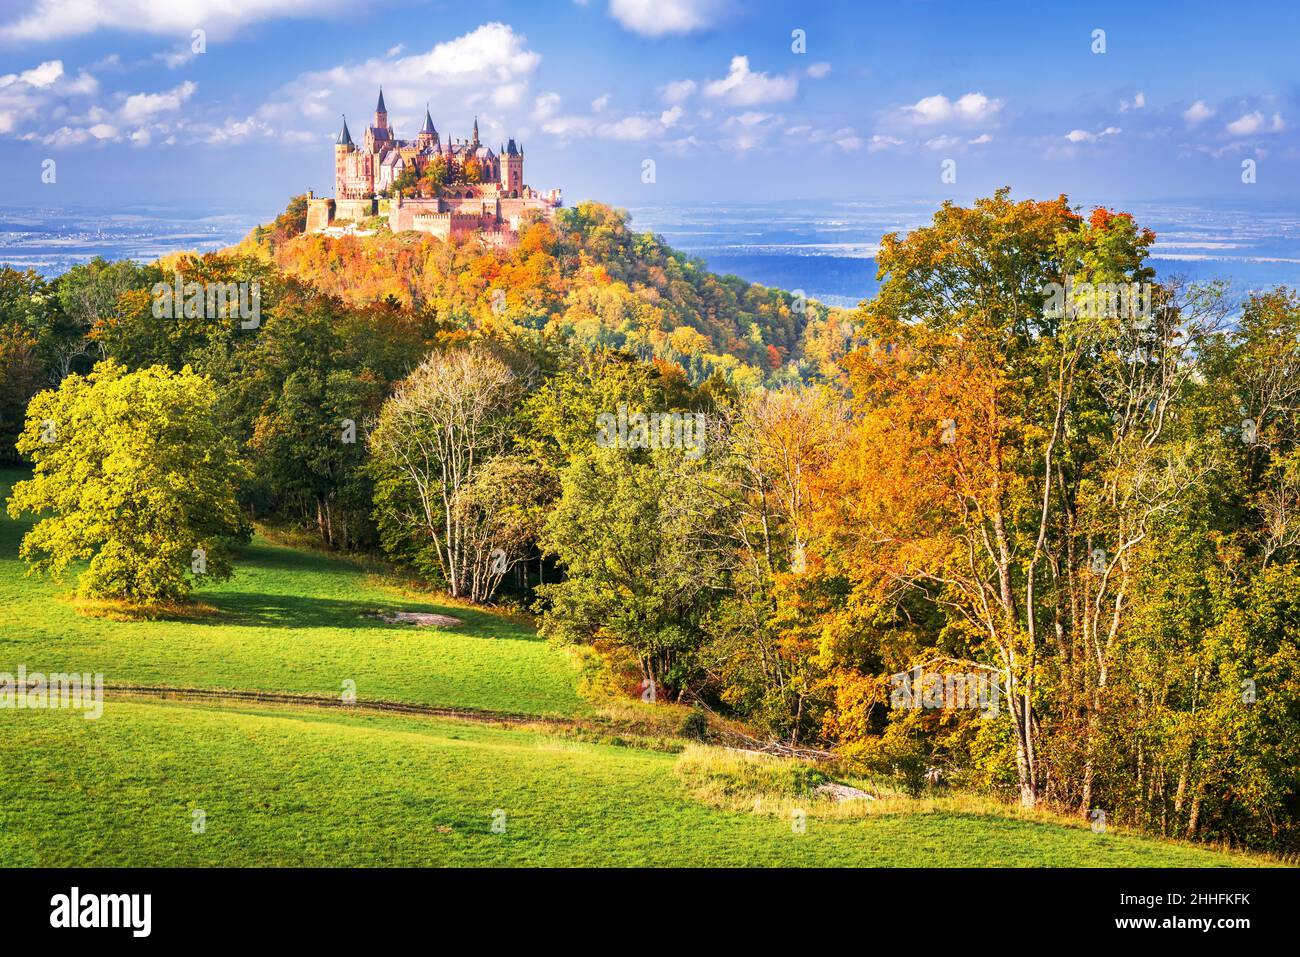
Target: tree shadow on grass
[[261, 610], [266, 556]]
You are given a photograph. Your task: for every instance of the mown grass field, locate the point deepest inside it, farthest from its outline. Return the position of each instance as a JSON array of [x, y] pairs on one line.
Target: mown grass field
[[295, 785], [291, 788], [292, 621]]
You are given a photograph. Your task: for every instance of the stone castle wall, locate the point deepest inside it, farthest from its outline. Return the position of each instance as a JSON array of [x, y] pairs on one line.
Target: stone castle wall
[[320, 213], [354, 210]]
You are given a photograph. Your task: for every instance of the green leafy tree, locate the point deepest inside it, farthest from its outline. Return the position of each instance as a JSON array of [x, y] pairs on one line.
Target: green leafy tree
[[32, 305], [135, 474], [318, 372], [89, 292], [292, 222], [638, 546], [21, 375], [405, 184], [434, 177]]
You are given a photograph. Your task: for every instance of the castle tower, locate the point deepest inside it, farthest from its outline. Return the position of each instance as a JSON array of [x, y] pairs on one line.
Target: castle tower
[[428, 135], [512, 170], [474, 142], [381, 112], [343, 145]]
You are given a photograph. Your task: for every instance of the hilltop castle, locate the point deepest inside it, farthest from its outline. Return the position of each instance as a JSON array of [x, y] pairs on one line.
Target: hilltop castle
[[451, 190]]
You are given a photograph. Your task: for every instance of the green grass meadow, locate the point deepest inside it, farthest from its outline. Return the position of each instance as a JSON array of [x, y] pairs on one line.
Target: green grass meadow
[[289, 620], [298, 785], [286, 788]]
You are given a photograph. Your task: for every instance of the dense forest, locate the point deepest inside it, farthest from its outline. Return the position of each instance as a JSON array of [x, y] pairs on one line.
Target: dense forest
[[1091, 494]]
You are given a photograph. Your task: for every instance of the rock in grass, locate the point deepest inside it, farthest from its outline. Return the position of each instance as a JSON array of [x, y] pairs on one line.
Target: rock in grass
[[842, 792], [423, 619]]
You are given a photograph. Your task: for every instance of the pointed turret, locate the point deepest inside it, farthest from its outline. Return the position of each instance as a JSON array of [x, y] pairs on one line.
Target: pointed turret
[[381, 112], [475, 141], [512, 169], [428, 122], [345, 138]]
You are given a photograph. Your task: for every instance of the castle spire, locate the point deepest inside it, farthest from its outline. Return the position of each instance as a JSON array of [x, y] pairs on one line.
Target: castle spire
[[345, 138], [476, 131], [428, 122], [380, 108]]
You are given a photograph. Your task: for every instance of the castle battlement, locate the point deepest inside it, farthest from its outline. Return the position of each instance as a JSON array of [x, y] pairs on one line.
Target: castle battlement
[[451, 189]]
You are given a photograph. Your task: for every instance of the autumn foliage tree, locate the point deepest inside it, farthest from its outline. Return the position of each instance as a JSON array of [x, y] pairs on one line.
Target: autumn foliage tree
[[1011, 458]]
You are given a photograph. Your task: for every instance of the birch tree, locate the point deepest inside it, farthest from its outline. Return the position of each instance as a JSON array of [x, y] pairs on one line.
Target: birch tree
[[443, 424]]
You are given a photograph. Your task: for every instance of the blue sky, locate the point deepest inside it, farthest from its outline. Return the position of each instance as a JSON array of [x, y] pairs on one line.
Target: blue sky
[[714, 92]]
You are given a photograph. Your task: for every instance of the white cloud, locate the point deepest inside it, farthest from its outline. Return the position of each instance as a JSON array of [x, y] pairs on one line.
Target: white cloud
[[43, 75], [83, 85], [633, 127], [1137, 103], [845, 138], [1083, 136], [657, 18], [942, 143], [54, 19], [980, 140], [601, 123], [76, 136], [677, 91], [743, 87], [491, 65], [46, 105], [233, 130], [970, 108], [66, 136], [509, 95], [566, 126], [1198, 112], [177, 58], [818, 70], [682, 145], [1252, 123], [142, 106], [880, 142], [314, 104], [546, 105], [33, 97]]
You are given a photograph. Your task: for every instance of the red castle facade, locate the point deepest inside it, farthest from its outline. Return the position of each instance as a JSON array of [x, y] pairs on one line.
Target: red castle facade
[[452, 190]]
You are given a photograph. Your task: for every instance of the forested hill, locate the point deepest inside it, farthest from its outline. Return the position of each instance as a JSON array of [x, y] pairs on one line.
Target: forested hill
[[588, 277]]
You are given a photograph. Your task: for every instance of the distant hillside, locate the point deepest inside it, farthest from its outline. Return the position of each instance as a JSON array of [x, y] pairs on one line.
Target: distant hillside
[[588, 277]]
